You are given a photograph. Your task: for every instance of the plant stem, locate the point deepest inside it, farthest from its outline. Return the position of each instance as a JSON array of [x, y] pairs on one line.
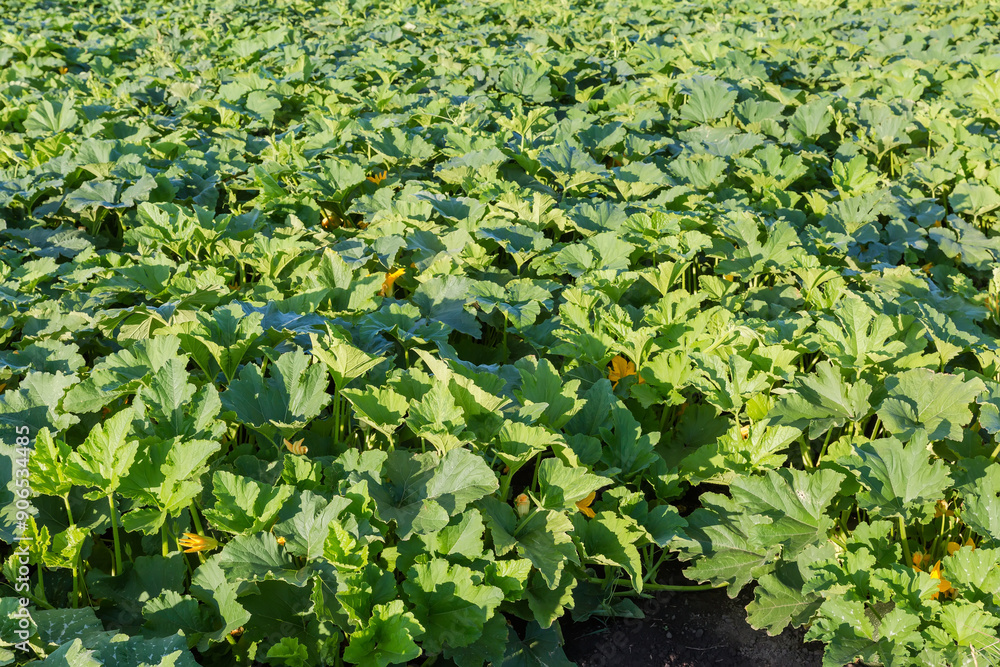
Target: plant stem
[[114, 532], [658, 587], [906, 547], [993, 456], [826, 442], [76, 586]]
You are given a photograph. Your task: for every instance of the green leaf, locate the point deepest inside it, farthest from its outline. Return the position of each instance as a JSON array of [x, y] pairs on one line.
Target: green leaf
[[796, 501], [294, 393], [244, 505], [542, 385], [543, 538], [898, 481], [464, 538], [981, 507], [422, 491], [259, 557], [344, 361], [549, 604], [210, 585], [289, 652], [387, 638], [105, 456], [437, 418], [225, 337], [52, 117], [969, 624], [453, 606], [47, 465], [921, 399], [720, 535], [170, 613], [379, 407], [610, 540], [308, 527], [629, 451], [71, 654], [561, 486], [779, 600], [708, 99], [823, 400], [570, 166]]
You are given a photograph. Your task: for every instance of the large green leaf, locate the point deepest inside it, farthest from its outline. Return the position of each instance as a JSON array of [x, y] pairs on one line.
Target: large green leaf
[[936, 403], [454, 608], [898, 481]]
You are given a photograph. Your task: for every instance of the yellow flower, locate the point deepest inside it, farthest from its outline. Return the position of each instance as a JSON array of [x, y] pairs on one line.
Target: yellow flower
[[584, 505], [390, 280], [943, 586], [193, 542], [955, 546], [521, 504], [918, 558], [378, 177], [281, 541], [621, 368], [296, 447]]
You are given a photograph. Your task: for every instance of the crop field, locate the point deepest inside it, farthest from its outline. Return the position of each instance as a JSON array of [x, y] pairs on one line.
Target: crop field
[[372, 333]]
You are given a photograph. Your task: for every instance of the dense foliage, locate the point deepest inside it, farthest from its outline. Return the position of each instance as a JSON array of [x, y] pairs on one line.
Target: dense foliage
[[431, 323]]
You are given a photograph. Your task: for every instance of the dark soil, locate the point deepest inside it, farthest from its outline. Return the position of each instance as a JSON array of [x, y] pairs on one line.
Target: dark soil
[[687, 629]]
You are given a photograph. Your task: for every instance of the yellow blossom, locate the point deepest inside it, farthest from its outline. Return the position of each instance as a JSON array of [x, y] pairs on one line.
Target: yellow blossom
[[584, 505], [193, 542], [390, 280], [296, 447], [378, 177], [918, 558], [955, 546], [944, 586], [621, 368]]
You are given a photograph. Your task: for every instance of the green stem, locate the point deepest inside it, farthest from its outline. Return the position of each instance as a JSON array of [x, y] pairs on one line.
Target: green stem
[[41, 581], [663, 417], [906, 547], [822, 451], [806, 452], [114, 532], [69, 512], [878, 425], [336, 417], [505, 485], [524, 522], [76, 586], [993, 456], [659, 587]]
